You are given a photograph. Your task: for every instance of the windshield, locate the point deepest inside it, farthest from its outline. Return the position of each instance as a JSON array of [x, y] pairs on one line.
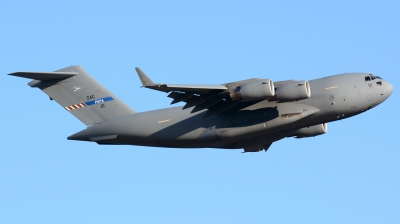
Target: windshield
[[371, 77]]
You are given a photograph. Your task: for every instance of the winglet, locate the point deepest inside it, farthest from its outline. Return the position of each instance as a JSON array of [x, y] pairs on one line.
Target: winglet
[[146, 81]]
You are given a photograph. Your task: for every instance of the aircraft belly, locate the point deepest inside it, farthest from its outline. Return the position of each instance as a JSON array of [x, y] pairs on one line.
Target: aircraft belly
[[177, 128], [285, 115], [167, 127]]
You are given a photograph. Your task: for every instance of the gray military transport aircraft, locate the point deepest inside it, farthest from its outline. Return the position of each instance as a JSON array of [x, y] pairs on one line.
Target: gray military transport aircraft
[[249, 114]]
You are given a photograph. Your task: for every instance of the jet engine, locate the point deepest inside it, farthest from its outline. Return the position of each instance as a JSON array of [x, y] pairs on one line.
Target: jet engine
[[293, 91], [311, 131], [258, 90]]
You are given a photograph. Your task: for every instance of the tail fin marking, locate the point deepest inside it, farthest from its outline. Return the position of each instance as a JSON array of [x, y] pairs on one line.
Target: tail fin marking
[[80, 94]]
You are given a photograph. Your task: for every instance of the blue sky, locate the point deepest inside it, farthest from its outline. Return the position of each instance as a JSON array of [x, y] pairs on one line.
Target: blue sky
[[349, 175]]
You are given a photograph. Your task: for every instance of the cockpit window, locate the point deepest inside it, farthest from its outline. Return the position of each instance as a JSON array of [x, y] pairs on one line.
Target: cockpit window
[[371, 77]]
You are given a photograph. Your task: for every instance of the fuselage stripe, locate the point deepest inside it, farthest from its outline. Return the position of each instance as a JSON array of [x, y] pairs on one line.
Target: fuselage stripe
[[101, 100]]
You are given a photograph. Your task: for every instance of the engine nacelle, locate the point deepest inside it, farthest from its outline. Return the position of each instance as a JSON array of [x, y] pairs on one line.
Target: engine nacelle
[[258, 90], [293, 91], [311, 131]]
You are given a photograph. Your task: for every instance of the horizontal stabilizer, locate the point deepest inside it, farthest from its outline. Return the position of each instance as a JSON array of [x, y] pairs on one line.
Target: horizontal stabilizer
[[102, 138], [44, 76]]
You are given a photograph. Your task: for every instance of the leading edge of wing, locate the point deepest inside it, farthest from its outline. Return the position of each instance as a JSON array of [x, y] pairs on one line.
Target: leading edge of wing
[[148, 83], [187, 88]]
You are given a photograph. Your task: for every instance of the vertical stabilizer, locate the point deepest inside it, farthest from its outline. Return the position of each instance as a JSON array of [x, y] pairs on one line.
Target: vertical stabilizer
[[81, 95]]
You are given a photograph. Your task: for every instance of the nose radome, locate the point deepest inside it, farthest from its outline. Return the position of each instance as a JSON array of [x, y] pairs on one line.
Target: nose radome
[[388, 88]]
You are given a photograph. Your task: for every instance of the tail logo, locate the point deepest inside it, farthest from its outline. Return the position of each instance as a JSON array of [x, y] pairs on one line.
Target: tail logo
[[102, 100], [88, 103]]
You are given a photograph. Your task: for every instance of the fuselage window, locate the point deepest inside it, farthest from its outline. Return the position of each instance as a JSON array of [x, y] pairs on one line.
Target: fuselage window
[[379, 83], [367, 78]]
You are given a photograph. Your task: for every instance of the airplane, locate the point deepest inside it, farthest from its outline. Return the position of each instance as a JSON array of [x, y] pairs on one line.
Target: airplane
[[249, 114]]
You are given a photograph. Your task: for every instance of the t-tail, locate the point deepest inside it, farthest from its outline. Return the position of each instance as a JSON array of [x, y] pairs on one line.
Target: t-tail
[[81, 95]]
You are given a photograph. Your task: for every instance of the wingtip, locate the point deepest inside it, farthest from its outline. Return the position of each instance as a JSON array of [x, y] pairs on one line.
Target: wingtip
[[146, 81]]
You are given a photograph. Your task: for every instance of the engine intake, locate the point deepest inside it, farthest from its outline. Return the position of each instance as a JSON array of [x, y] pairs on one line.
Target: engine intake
[[258, 90], [311, 131], [293, 91]]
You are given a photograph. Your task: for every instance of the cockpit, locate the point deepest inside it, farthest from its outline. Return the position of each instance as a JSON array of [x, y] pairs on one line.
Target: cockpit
[[371, 77]]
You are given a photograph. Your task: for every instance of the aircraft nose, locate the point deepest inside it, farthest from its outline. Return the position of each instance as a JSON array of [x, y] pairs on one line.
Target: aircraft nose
[[388, 88]]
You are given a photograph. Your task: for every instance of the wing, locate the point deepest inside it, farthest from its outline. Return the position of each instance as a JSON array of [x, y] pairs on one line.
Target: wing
[[216, 98]]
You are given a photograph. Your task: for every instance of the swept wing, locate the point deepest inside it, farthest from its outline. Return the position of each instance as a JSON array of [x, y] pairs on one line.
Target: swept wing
[[215, 98]]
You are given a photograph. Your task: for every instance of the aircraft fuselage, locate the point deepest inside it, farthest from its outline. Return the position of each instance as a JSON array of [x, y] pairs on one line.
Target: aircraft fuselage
[[332, 98]]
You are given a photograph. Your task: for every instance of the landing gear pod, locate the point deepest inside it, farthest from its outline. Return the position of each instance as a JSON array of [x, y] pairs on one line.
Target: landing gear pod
[[311, 131]]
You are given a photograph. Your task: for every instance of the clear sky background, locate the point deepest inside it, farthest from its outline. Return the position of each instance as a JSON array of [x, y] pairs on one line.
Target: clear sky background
[[349, 175]]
